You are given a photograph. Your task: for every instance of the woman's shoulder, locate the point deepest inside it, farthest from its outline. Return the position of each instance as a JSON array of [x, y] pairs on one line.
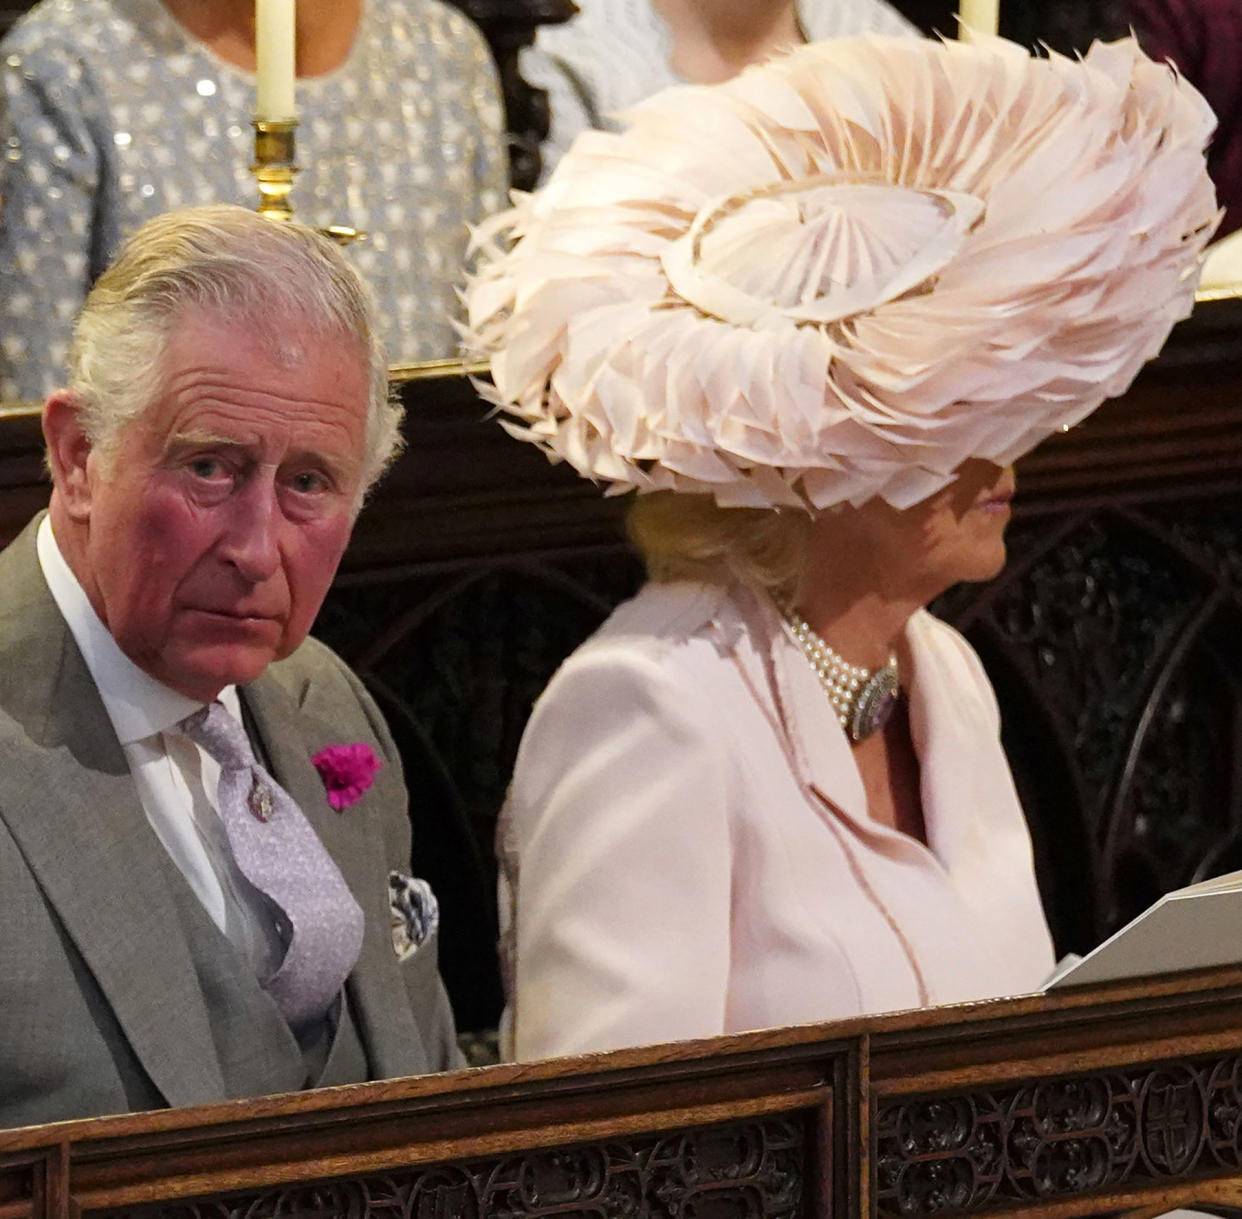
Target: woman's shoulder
[[81, 46], [660, 619], [662, 644], [648, 676], [930, 634]]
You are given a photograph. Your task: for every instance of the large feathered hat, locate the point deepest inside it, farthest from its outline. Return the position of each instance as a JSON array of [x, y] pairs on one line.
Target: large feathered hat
[[848, 270]]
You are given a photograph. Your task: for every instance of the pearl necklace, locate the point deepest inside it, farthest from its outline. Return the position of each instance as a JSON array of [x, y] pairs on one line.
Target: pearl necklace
[[863, 700]]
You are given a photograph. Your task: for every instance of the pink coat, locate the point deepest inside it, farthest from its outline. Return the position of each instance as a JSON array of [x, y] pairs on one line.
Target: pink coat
[[686, 849]]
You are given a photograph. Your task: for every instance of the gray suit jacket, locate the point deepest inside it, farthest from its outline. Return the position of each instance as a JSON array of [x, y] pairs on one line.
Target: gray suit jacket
[[102, 1009]]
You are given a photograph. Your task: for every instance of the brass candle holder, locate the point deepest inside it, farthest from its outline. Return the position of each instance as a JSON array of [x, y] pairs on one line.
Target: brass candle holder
[[275, 163]]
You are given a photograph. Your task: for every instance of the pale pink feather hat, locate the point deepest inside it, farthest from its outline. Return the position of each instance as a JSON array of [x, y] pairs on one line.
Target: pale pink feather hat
[[848, 270]]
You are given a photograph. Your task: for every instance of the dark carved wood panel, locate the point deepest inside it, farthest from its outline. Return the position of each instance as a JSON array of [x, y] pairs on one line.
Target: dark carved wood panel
[[1113, 641], [468, 652], [741, 1170], [958, 1152], [1125, 1097]]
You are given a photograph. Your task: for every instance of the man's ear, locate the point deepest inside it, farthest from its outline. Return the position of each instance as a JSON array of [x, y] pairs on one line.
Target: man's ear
[[68, 448]]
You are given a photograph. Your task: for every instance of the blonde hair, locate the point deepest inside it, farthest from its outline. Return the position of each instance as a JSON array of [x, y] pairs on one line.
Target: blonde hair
[[690, 537], [235, 264]]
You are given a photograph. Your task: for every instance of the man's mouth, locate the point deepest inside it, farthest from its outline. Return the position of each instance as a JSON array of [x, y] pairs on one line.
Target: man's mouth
[[235, 614]]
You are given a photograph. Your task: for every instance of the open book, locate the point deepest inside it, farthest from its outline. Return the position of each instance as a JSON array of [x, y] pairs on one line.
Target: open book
[[1191, 928]]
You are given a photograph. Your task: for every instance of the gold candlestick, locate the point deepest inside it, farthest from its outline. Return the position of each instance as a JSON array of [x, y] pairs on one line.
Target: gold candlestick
[[274, 166], [275, 163]]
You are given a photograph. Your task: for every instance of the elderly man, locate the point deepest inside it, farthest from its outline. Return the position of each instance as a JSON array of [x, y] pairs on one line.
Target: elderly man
[[199, 862]]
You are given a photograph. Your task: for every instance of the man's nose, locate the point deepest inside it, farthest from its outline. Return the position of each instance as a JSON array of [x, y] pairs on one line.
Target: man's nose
[[251, 538]]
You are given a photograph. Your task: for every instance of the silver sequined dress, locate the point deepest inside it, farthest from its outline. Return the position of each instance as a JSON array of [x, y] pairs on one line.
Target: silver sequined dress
[[110, 112]]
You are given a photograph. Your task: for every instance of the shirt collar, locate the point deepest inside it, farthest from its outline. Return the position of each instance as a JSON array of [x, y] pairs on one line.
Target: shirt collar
[[137, 704]]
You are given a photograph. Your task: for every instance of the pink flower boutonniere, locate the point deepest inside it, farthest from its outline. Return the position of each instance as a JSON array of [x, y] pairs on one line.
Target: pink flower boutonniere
[[347, 771]]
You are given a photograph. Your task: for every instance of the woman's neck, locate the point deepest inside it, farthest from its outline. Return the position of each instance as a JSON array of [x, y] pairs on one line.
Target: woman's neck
[[325, 30], [713, 40], [857, 596], [864, 628]]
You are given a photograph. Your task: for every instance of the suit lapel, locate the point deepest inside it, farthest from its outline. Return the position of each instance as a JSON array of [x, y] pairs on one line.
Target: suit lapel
[[79, 823], [292, 733]]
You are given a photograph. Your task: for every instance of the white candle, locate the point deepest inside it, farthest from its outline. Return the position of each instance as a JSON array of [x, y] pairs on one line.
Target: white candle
[[978, 17], [274, 59]]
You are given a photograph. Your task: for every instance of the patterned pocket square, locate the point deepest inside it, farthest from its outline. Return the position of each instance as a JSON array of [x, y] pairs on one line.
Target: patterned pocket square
[[415, 912]]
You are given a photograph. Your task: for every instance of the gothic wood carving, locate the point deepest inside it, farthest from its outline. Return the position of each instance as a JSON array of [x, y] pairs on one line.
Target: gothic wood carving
[[742, 1170], [1058, 1137]]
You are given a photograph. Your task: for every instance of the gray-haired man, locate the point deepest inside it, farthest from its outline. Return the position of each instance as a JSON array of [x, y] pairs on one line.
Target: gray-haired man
[[198, 856]]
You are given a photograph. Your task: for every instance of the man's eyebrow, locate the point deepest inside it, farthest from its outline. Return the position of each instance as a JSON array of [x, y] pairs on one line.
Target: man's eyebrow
[[201, 437]]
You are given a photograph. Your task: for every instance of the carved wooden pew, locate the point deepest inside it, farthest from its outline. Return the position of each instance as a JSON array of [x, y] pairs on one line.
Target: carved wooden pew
[[1122, 1099]]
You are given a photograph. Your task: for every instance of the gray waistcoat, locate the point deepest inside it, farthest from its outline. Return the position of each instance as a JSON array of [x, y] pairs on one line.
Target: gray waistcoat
[[257, 1051]]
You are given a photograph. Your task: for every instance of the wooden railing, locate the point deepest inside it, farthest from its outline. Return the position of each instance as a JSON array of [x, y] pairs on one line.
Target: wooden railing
[[1126, 1098]]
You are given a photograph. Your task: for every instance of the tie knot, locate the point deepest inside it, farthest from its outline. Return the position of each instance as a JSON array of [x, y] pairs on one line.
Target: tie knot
[[220, 734]]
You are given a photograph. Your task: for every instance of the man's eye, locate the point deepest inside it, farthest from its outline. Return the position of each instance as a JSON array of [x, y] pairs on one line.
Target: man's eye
[[308, 482], [208, 468]]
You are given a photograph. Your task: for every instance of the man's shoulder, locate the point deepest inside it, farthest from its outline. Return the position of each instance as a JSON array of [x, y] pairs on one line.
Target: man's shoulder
[[316, 680], [315, 666]]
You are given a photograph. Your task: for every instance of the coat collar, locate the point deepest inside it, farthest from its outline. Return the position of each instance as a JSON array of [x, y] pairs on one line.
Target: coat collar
[[778, 676], [781, 680]]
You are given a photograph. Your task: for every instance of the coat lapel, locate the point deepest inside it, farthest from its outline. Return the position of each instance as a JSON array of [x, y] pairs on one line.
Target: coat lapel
[[79, 823], [946, 722], [784, 683], [292, 730]]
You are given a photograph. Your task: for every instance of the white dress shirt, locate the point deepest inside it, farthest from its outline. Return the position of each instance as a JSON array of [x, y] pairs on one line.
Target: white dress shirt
[[176, 779]]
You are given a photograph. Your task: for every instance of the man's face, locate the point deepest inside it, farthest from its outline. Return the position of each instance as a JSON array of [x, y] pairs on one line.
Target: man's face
[[217, 525]]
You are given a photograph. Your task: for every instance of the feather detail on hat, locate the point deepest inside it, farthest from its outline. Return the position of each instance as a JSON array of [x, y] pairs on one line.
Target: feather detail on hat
[[848, 270]]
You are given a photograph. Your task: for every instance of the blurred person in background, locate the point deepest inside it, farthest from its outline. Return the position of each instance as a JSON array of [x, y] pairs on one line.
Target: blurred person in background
[[618, 52], [1203, 40], [112, 111]]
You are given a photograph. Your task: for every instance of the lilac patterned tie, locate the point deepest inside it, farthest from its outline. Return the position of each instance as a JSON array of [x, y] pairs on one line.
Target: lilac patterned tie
[[280, 854]]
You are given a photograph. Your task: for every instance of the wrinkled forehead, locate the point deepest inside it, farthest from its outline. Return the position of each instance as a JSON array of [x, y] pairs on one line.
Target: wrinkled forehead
[[253, 376], [282, 334]]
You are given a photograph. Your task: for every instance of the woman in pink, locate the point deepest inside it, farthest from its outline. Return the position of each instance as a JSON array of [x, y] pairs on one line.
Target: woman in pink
[[812, 316]]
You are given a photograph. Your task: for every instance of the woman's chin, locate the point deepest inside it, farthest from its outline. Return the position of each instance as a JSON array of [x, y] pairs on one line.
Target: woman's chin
[[987, 566]]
